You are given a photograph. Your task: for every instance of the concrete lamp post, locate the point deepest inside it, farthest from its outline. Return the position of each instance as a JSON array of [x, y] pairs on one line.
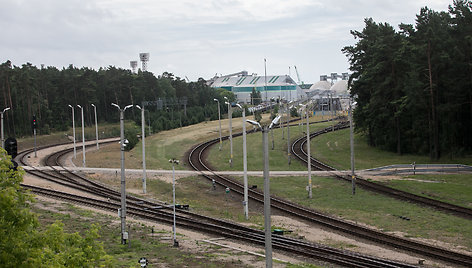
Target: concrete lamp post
[[143, 138], [308, 151], [230, 115], [174, 162], [219, 120], [245, 202], [96, 124], [267, 223], [124, 234], [83, 135], [73, 130]]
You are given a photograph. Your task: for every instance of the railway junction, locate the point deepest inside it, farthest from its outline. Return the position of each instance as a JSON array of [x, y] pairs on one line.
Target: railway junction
[[54, 166]]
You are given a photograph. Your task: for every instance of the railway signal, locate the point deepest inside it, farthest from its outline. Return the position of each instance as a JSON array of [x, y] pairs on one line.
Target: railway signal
[[4, 110], [34, 125], [11, 146]]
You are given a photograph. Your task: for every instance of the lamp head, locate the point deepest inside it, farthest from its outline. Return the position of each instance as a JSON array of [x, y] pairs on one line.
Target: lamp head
[[254, 123]]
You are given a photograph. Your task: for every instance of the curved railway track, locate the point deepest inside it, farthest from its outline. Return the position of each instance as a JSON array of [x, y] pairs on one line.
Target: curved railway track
[[157, 211], [298, 149], [196, 159]]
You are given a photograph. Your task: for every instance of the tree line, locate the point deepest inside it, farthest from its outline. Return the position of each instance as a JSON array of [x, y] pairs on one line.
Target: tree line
[[46, 93], [413, 86]]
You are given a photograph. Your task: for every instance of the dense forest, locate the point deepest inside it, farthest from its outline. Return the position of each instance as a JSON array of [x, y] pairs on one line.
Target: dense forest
[[413, 86], [48, 92]]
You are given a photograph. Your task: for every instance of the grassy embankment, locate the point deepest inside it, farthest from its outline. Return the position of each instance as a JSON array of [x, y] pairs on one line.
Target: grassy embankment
[[155, 245], [334, 197], [330, 195]]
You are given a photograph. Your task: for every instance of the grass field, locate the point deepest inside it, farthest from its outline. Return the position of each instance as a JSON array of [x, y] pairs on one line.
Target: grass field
[[451, 188], [329, 195], [155, 246], [334, 197], [334, 149], [104, 131], [278, 159]]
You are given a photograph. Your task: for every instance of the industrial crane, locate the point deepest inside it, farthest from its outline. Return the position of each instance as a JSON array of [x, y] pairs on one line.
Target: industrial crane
[[298, 76]]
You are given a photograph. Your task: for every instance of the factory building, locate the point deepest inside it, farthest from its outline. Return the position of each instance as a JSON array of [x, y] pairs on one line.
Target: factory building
[[270, 87]]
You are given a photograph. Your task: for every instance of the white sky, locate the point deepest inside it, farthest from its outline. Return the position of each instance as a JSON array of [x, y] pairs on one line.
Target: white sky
[[195, 38]]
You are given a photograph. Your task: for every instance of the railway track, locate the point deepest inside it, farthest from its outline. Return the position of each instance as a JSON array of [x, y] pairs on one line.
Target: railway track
[[109, 199], [298, 149], [196, 159]]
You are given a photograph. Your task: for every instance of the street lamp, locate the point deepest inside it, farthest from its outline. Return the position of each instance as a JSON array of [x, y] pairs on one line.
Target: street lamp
[[124, 234], [351, 140], [219, 119], [96, 124], [245, 202], [308, 151], [230, 115], [143, 135], [288, 132], [83, 136], [267, 224], [173, 161], [3, 138], [73, 129]]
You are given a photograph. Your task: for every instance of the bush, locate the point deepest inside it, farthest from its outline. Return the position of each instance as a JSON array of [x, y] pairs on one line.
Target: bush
[[131, 134]]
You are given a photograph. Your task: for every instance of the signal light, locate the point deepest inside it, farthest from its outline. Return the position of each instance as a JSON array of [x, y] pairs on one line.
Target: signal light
[[11, 146], [34, 123]]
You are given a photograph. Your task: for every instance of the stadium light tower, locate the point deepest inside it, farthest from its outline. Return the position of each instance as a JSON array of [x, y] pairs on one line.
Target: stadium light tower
[[133, 64], [144, 57]]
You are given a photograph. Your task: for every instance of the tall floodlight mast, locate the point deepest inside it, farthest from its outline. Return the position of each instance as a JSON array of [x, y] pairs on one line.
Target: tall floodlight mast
[[133, 64], [144, 57]]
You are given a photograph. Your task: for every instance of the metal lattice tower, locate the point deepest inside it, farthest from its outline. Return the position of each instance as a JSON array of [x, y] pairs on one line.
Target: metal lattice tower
[[144, 60]]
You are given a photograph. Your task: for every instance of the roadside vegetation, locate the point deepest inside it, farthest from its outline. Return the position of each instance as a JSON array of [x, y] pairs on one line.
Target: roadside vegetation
[[26, 242]]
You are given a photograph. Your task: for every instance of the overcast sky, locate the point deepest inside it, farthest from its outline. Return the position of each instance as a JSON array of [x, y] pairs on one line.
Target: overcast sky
[[195, 38]]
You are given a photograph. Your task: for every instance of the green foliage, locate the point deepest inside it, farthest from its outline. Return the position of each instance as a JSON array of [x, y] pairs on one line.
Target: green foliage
[[294, 112], [23, 245], [256, 97], [46, 93], [131, 134], [258, 116], [412, 86]]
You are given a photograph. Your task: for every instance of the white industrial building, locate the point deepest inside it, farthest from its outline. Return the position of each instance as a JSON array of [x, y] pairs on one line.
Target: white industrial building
[[270, 87]]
